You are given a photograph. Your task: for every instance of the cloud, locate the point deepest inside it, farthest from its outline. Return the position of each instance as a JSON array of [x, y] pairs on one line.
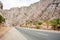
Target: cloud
[[17, 3]]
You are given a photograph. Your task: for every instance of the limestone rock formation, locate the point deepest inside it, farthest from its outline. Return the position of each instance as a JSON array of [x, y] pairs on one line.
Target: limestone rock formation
[[1, 6], [42, 10]]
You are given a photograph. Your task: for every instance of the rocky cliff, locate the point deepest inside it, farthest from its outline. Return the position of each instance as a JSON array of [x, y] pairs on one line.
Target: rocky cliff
[[42, 10]]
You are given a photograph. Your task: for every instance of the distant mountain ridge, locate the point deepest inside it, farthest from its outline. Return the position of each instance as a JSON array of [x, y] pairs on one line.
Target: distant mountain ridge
[[42, 10]]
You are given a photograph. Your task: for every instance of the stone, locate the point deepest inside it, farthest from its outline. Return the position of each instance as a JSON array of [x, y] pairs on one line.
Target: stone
[[42, 10]]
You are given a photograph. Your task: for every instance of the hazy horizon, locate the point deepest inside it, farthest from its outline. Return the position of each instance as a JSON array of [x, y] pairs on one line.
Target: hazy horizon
[[7, 4]]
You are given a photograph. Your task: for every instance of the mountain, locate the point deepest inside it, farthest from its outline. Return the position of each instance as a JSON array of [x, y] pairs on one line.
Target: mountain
[[42, 10]]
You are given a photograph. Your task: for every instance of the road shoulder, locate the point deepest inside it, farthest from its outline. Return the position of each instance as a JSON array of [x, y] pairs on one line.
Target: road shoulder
[[4, 30], [13, 34]]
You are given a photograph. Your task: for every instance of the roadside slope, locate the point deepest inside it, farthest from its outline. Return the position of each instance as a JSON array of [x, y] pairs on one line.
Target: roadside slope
[[13, 34], [4, 30]]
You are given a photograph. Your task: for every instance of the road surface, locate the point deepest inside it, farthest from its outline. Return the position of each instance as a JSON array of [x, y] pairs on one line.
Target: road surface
[[26, 34], [39, 35], [13, 34]]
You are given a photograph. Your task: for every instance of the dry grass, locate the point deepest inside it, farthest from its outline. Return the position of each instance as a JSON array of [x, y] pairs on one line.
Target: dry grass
[[3, 30]]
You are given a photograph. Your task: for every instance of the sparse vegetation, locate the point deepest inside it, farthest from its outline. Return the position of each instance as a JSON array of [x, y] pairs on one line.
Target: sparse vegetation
[[47, 22], [37, 24], [30, 24], [2, 19], [55, 23]]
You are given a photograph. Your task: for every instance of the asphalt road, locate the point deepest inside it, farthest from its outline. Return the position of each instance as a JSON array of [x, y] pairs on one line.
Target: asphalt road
[[38, 35]]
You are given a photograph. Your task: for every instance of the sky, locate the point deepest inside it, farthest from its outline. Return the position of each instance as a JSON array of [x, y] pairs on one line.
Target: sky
[[7, 4]]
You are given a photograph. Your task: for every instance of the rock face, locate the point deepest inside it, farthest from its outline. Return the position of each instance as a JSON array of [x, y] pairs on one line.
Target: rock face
[[42, 10], [1, 6]]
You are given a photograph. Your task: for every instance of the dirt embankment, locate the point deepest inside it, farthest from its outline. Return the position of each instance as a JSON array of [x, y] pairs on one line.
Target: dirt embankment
[[3, 30]]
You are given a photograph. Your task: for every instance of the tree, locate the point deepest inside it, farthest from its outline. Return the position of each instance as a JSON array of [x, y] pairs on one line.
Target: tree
[[55, 23], [2, 19]]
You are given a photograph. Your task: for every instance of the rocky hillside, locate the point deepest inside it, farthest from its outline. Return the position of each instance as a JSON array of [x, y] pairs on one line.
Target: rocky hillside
[[42, 10]]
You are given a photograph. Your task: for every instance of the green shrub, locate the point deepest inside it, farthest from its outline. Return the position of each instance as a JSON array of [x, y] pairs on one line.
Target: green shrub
[[37, 26], [2, 19], [38, 23], [55, 23]]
